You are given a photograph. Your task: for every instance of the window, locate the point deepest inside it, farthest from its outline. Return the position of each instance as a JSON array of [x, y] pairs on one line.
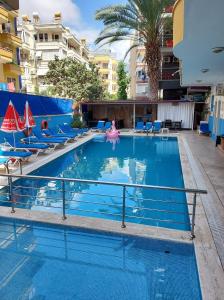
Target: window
[[46, 37], [105, 76], [41, 37], [105, 66], [35, 37], [55, 37]]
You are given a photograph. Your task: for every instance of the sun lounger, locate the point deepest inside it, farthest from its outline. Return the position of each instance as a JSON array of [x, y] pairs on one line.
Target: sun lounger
[[37, 138], [17, 145], [55, 131], [107, 126], [50, 132], [24, 155], [15, 157], [66, 128], [139, 127], [157, 125], [148, 127], [100, 126]]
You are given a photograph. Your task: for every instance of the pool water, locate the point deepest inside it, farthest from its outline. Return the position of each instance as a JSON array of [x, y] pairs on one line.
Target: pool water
[[140, 160], [39, 261]]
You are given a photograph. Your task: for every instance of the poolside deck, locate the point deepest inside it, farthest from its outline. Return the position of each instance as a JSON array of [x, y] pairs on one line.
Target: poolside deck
[[207, 165]]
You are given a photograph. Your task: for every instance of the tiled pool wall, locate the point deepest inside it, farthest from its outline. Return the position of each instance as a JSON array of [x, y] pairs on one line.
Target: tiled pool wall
[[58, 262]]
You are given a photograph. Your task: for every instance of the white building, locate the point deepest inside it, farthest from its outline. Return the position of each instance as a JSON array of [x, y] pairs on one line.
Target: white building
[[41, 43]]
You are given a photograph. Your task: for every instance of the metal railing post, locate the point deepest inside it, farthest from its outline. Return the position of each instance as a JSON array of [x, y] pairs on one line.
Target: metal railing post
[[193, 216], [63, 200], [123, 207], [11, 195]]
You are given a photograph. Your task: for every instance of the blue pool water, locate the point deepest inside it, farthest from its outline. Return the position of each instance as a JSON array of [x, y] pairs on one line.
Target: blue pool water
[[141, 160], [40, 261]]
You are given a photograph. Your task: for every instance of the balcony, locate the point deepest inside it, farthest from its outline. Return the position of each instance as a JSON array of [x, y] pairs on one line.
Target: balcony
[[13, 69], [166, 43], [13, 4], [4, 15], [170, 78], [6, 54], [11, 39]]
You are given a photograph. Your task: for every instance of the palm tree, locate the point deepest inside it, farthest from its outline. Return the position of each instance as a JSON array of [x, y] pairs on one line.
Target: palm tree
[[142, 22]]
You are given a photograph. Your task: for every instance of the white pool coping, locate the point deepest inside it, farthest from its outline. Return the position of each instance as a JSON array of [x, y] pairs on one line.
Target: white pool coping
[[211, 274]]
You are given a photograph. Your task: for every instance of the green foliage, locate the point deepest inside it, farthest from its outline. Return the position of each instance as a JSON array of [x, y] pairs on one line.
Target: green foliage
[[77, 123], [108, 96], [141, 22], [122, 81], [69, 78]]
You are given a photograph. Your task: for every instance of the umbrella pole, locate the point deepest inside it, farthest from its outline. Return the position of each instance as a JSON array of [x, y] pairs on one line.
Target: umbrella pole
[[14, 139]]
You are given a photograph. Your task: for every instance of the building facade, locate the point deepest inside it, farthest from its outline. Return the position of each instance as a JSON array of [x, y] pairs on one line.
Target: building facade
[[41, 43], [199, 46], [107, 64], [10, 43], [169, 84]]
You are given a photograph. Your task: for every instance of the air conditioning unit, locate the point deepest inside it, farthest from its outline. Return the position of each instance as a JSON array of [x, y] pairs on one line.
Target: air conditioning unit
[[220, 90]]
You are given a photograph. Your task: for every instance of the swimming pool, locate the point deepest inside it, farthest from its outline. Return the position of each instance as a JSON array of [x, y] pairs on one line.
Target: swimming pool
[[140, 160], [39, 261]]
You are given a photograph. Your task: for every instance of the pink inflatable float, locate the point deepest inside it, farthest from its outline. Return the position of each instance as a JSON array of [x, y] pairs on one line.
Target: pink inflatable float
[[113, 133]]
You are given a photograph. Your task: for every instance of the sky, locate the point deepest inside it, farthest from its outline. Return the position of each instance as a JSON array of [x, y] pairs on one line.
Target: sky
[[79, 15]]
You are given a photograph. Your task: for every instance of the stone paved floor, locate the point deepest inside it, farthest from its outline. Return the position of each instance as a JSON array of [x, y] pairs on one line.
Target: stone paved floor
[[209, 162]]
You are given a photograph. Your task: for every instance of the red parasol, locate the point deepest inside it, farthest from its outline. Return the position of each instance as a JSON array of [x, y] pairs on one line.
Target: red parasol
[[12, 122], [28, 116]]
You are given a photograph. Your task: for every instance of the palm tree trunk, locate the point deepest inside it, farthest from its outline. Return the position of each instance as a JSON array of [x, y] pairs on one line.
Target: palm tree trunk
[[153, 60]]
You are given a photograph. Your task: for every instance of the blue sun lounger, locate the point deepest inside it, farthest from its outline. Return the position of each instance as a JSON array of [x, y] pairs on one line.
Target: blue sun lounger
[[148, 127], [15, 154], [37, 137], [107, 126], [157, 125], [66, 128], [56, 133], [17, 145], [139, 127], [50, 132], [15, 157], [100, 126]]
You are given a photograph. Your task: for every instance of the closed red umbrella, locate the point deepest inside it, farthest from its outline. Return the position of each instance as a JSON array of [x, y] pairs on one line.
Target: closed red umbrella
[[28, 116], [12, 122]]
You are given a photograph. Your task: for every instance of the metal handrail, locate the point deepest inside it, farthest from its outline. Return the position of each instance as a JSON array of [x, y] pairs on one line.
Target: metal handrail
[[156, 187], [123, 205]]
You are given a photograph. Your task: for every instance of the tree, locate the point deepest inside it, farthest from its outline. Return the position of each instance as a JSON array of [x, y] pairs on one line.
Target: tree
[[123, 81], [141, 22], [69, 78]]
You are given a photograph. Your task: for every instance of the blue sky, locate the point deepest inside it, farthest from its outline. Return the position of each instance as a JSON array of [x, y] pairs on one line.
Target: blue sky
[[79, 15]]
